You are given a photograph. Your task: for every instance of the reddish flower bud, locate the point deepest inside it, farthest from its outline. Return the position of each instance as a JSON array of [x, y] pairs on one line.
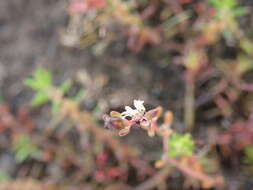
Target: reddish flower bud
[[100, 176], [114, 172], [101, 158], [124, 131], [113, 122]]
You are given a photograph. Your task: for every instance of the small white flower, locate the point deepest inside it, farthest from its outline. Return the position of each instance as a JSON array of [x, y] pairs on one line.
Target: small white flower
[[129, 112], [135, 114], [138, 104]]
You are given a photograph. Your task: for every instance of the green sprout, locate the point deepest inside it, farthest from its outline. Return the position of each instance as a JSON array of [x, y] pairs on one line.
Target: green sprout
[[223, 4], [248, 151], [42, 82], [24, 148], [4, 176], [226, 12], [181, 145], [228, 6]]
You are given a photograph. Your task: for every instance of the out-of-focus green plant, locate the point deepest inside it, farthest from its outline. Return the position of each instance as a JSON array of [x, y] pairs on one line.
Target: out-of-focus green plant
[[180, 145], [24, 148], [42, 82], [229, 7], [248, 151], [226, 13], [169, 25], [4, 176]]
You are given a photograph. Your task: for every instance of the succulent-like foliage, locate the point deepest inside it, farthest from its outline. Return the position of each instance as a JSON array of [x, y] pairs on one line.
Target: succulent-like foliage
[[180, 145], [24, 148]]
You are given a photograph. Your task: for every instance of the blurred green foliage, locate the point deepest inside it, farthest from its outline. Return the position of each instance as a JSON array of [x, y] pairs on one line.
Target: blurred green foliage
[[42, 82], [248, 151], [181, 145], [4, 176], [223, 4], [228, 6], [24, 148]]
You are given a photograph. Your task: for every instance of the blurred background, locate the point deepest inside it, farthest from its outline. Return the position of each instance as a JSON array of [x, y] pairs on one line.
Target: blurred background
[[64, 64]]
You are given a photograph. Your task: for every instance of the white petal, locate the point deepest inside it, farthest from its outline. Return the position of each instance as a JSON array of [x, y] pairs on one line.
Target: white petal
[[138, 104], [125, 113], [129, 112], [128, 109]]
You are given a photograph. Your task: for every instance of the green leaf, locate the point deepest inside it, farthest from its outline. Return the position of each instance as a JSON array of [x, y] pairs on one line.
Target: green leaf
[[24, 148], [22, 155], [43, 76], [220, 4], [80, 96], [247, 46], [248, 151], [32, 83], [177, 19], [244, 64], [41, 79], [4, 176], [228, 35], [39, 99], [181, 145], [55, 108], [240, 11], [65, 86], [192, 60]]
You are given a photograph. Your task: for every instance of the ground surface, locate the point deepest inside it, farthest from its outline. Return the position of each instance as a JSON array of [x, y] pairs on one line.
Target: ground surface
[[29, 34], [29, 37]]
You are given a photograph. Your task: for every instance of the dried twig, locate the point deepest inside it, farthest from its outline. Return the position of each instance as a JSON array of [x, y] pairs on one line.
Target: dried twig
[[155, 180]]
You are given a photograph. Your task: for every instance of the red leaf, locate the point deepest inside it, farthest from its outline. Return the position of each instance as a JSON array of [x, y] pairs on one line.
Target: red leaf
[[153, 114], [124, 131]]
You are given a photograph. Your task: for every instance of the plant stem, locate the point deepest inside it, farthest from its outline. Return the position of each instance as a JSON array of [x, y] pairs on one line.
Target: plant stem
[[155, 180], [189, 112]]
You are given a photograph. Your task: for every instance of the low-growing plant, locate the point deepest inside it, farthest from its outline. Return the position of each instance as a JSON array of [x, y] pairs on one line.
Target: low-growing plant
[[86, 124], [180, 145], [178, 148], [24, 148], [42, 83], [228, 7]]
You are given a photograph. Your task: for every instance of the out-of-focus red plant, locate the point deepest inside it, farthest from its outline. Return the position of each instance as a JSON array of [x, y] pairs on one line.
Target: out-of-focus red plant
[[102, 158], [139, 37], [83, 6], [238, 136], [19, 122]]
